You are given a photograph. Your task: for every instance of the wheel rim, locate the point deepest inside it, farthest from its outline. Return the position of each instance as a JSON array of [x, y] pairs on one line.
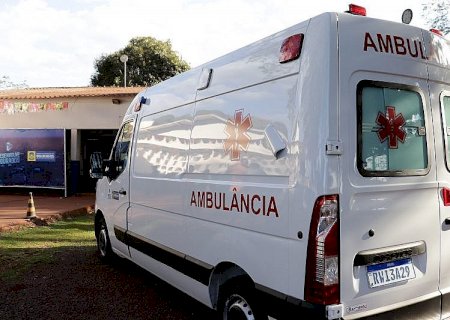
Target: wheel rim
[[238, 309], [102, 242]]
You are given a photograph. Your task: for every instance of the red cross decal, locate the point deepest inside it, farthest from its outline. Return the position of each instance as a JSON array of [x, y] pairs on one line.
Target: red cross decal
[[391, 127], [236, 130]]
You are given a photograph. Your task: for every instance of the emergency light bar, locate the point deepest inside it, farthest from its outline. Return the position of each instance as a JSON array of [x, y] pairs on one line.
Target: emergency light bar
[[436, 31], [356, 10]]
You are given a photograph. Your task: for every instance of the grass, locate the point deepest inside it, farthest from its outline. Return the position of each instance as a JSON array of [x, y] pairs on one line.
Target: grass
[[21, 250]]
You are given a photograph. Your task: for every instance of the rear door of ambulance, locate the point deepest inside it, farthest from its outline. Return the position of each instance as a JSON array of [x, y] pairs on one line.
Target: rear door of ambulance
[[390, 228], [439, 83]]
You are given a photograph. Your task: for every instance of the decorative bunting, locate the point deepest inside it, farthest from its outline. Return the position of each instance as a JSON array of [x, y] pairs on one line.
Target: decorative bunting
[[10, 108]]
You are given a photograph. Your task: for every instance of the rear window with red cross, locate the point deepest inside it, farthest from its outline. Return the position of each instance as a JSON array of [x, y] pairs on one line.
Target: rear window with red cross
[[391, 130]]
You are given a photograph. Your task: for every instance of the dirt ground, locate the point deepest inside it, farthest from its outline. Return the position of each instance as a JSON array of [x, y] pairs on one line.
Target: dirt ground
[[77, 285]]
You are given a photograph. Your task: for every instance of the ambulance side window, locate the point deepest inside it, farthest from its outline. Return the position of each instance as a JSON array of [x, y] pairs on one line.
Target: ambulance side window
[[122, 148], [445, 107], [391, 130]]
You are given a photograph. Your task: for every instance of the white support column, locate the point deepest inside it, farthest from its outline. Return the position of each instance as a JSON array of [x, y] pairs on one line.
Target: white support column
[[75, 145], [75, 156]]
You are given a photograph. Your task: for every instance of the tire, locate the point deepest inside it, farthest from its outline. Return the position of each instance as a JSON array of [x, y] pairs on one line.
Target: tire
[[240, 304], [103, 243]]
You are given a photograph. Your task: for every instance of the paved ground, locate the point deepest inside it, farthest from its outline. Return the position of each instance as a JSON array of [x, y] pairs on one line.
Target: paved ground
[[13, 208]]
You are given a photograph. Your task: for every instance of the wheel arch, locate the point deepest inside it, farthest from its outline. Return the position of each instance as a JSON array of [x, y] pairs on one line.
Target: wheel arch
[[97, 217], [224, 274]]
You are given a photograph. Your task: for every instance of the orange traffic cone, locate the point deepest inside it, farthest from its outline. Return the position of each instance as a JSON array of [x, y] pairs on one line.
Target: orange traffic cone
[[31, 211]]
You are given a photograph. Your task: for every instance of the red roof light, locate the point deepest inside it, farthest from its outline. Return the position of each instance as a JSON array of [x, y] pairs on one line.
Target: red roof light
[[438, 32], [291, 48], [356, 10]]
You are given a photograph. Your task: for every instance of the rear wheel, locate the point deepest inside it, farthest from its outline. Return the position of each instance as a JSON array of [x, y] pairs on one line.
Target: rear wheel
[[241, 304], [103, 244]]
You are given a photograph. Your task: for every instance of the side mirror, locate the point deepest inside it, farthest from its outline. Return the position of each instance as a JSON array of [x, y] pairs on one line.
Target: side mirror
[[109, 168], [96, 170]]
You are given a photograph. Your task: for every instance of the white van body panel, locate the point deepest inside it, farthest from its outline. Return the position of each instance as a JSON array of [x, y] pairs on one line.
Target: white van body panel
[[228, 160], [439, 64], [400, 210], [315, 126], [180, 281]]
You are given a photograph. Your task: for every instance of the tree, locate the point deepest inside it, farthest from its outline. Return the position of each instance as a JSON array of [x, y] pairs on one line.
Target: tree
[[436, 12], [149, 61], [6, 83]]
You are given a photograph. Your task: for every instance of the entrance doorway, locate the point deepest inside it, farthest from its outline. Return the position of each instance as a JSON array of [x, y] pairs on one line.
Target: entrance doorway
[[93, 141]]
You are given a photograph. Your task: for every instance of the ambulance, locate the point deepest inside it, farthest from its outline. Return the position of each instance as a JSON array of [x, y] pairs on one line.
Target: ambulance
[[304, 176]]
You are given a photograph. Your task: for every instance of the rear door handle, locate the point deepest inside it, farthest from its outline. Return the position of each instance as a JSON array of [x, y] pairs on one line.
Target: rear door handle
[[123, 192], [386, 254], [447, 221]]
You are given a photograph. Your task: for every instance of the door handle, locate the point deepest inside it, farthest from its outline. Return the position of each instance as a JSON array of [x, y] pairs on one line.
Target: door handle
[[447, 221], [123, 192], [387, 254]]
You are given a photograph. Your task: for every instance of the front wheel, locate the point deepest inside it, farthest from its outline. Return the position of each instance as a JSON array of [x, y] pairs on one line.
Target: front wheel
[[241, 304], [103, 244]]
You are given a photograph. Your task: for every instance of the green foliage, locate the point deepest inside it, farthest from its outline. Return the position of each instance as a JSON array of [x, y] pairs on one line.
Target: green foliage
[[149, 61], [22, 250], [436, 14]]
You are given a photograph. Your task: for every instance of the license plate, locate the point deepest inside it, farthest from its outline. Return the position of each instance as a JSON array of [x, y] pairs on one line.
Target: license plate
[[390, 272]]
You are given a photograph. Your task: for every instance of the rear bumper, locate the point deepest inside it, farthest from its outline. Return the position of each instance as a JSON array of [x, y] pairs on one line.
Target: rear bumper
[[428, 309], [284, 307], [281, 306]]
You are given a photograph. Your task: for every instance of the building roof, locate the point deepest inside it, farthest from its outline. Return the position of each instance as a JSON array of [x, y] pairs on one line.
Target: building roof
[[75, 92]]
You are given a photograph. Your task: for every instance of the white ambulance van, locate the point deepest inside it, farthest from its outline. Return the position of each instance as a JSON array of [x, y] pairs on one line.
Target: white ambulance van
[[305, 176]]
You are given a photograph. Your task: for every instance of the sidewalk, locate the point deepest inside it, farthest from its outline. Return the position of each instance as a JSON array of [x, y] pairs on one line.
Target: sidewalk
[[13, 208]]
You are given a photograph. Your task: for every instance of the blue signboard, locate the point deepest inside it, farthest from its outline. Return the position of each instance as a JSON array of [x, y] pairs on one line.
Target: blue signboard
[[32, 158]]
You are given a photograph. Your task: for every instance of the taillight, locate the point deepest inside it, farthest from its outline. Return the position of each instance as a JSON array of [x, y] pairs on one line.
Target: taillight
[[356, 10], [322, 262], [446, 197]]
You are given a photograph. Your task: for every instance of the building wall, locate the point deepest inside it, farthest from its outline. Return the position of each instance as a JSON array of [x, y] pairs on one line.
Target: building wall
[[81, 113], [90, 122]]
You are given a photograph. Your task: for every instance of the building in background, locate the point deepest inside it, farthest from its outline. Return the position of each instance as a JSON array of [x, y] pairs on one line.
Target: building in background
[[48, 134]]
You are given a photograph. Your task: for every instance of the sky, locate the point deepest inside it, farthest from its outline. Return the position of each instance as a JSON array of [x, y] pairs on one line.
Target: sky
[[54, 43]]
